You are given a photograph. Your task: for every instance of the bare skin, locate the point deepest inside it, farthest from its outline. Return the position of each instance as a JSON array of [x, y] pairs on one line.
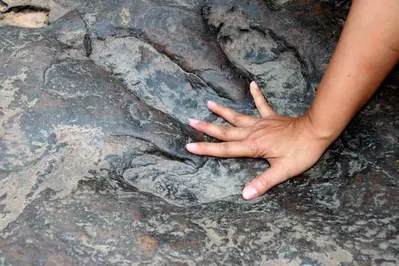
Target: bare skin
[[367, 51]]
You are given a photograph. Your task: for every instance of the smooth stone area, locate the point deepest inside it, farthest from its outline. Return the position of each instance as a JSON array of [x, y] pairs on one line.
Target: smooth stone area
[[94, 111]]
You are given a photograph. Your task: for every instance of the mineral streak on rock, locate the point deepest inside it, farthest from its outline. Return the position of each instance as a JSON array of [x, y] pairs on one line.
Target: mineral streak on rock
[[94, 111]]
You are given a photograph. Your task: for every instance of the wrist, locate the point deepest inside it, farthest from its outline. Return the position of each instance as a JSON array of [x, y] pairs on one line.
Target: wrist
[[326, 132]]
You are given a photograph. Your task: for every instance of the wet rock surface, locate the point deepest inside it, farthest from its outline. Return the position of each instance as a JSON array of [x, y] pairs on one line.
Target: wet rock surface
[[94, 113]]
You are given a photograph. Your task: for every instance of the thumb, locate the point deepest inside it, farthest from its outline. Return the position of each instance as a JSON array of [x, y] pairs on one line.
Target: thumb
[[262, 183]]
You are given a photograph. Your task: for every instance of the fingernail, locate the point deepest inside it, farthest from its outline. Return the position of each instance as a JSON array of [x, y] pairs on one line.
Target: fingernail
[[249, 193], [211, 104], [254, 84], [191, 146], [194, 122]]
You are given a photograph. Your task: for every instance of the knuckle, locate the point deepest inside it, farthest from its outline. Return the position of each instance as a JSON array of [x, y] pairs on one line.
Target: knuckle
[[203, 124], [255, 147], [237, 118], [224, 146], [264, 183], [221, 109], [200, 146], [224, 131], [204, 146]]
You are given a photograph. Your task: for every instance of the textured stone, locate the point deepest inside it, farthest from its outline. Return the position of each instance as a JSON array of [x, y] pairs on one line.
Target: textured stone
[[263, 54], [93, 121]]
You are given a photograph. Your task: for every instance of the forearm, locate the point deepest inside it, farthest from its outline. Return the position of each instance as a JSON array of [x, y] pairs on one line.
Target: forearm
[[366, 52]]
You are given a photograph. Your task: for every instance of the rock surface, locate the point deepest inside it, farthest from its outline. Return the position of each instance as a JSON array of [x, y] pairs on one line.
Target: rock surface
[[94, 111]]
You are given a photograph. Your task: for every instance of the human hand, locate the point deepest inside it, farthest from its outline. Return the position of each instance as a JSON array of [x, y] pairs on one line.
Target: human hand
[[290, 144]]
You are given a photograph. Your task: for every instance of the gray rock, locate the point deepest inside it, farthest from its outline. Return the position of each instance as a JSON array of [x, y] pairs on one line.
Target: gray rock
[[93, 122]]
